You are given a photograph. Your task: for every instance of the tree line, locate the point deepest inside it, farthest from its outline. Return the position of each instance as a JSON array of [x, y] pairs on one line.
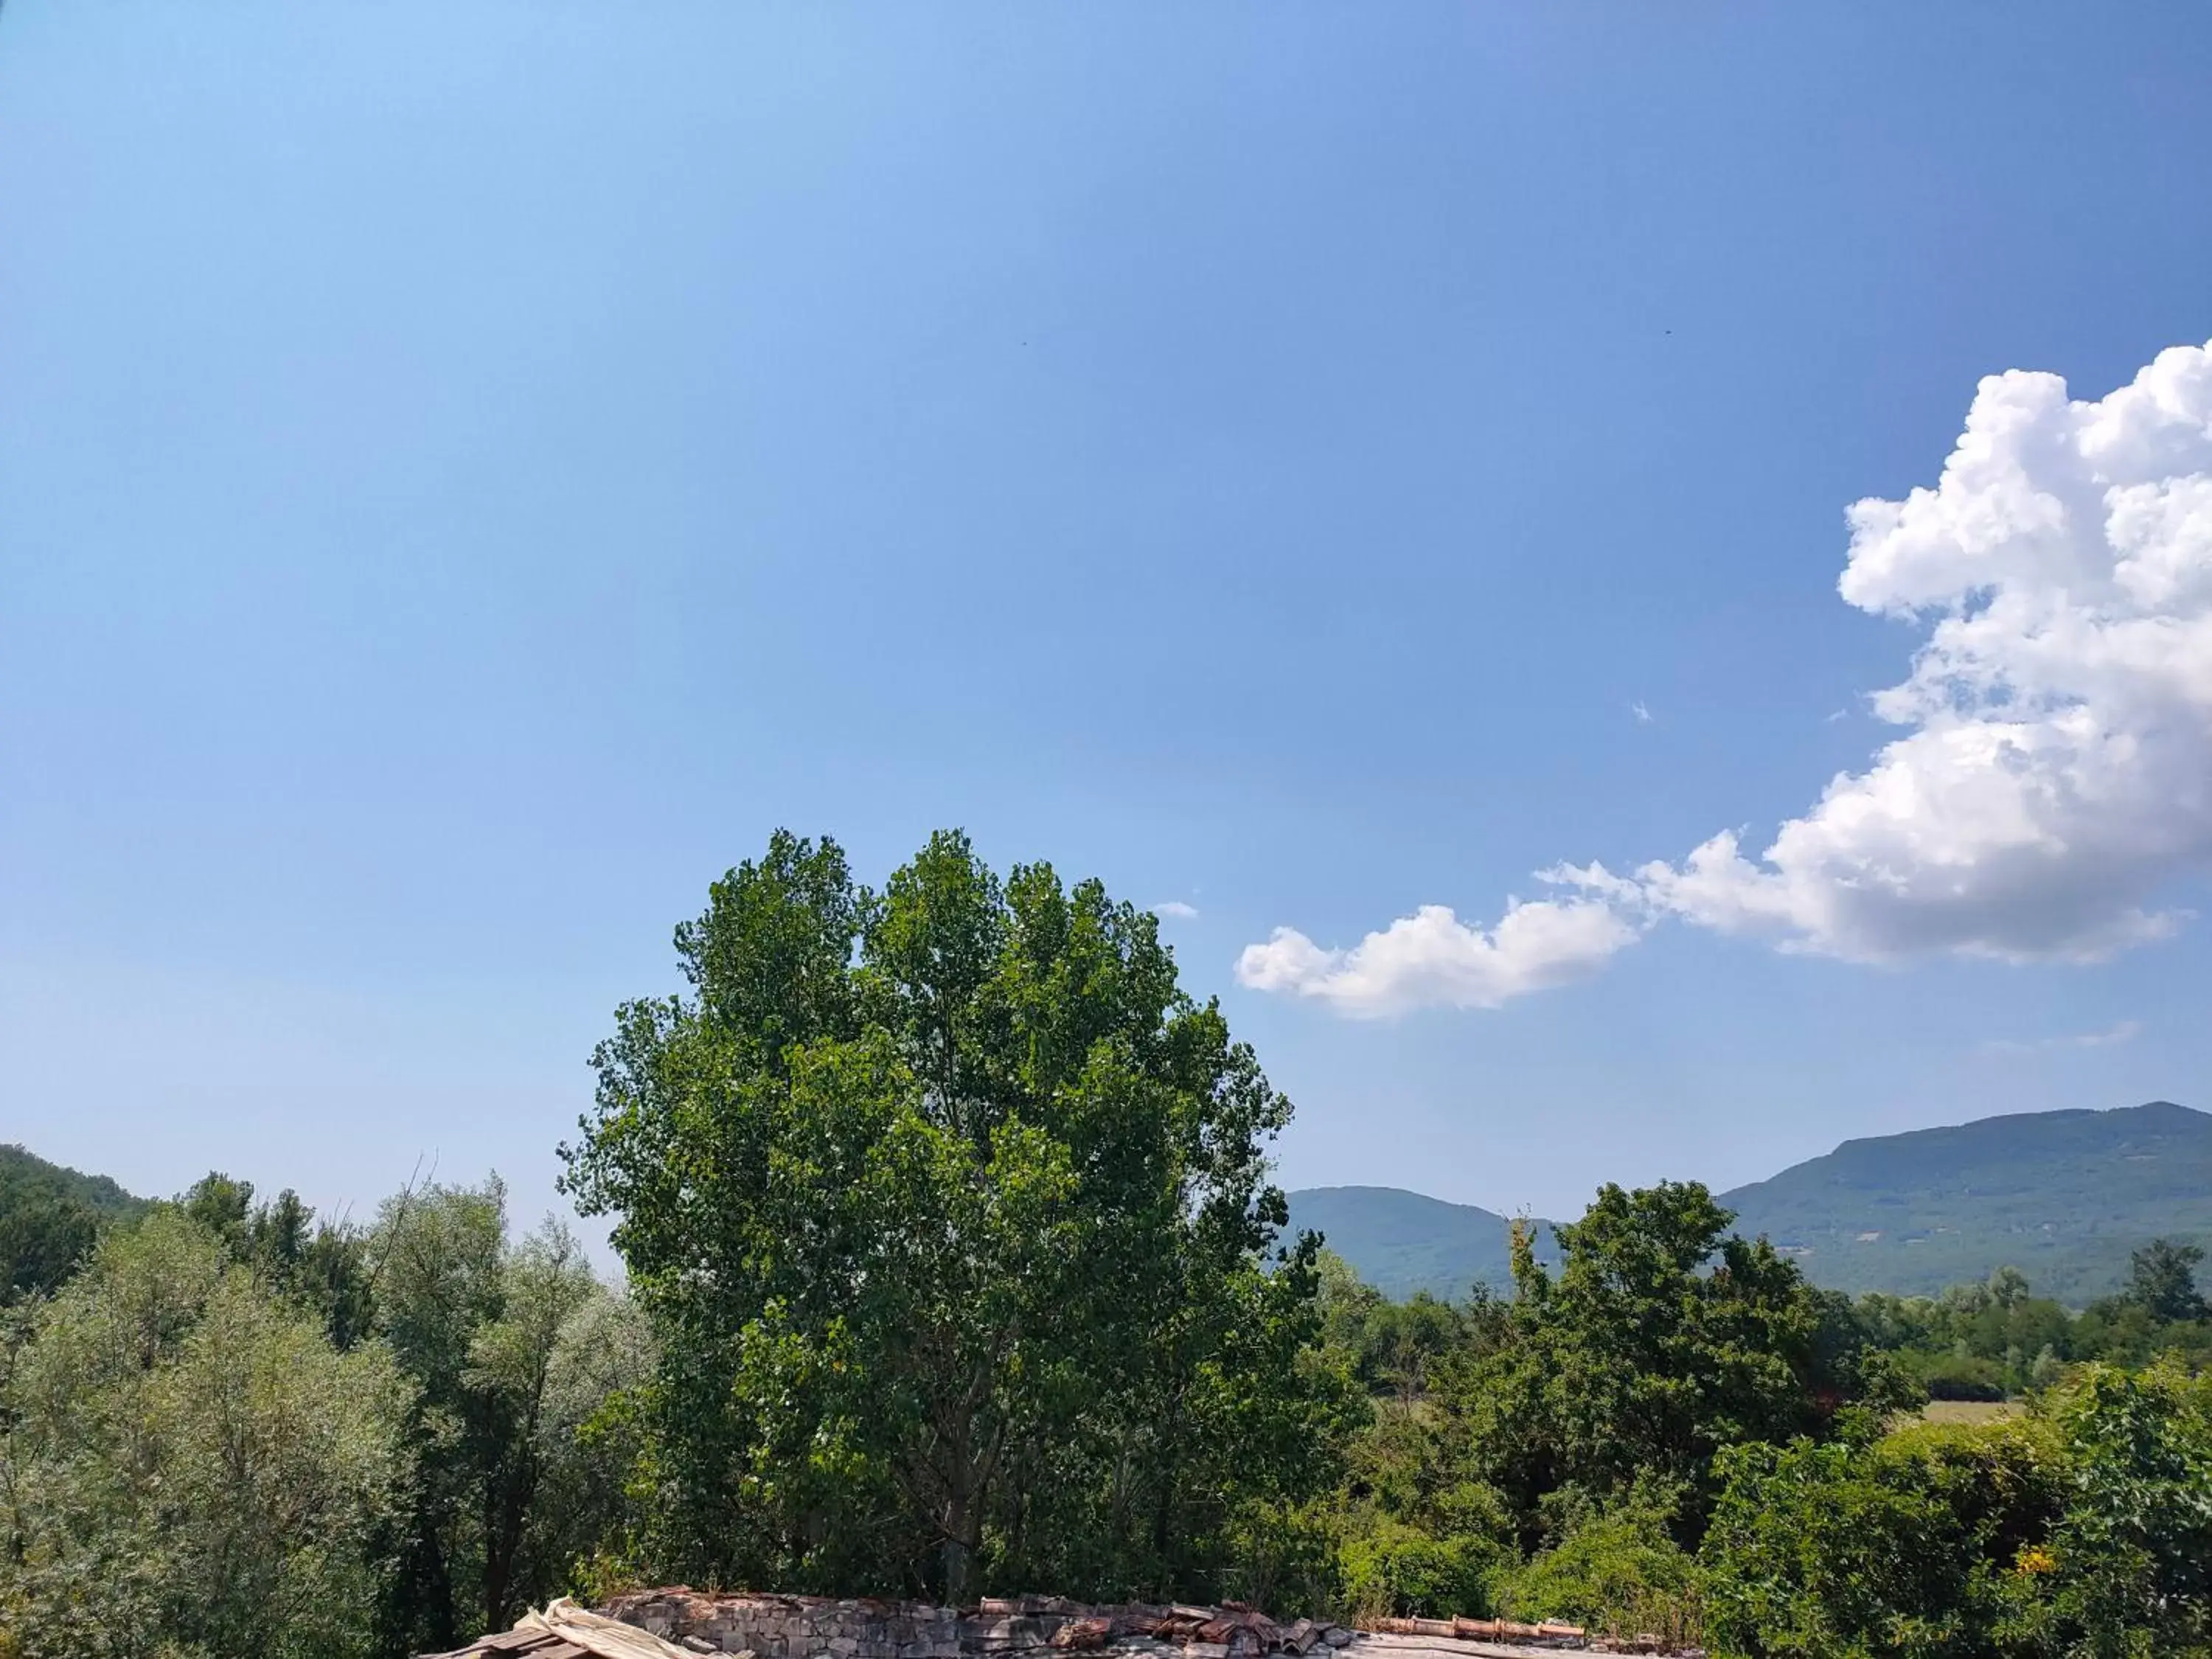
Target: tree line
[[953, 1267], [1672, 1432], [237, 1432]]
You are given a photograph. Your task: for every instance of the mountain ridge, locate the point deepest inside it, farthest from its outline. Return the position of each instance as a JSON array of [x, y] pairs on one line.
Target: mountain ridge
[[1402, 1241], [24, 1170], [49, 1217], [2064, 1195]]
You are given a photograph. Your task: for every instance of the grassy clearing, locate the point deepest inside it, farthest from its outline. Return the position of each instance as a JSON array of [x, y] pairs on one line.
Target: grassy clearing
[[1970, 1410]]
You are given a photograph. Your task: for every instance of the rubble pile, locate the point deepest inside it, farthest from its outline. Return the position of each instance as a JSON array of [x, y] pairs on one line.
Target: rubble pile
[[765, 1626]]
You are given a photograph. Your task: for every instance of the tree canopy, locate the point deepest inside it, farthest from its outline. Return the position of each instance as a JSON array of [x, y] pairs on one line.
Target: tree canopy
[[189, 1466], [1661, 1339], [2162, 1281], [950, 1210]]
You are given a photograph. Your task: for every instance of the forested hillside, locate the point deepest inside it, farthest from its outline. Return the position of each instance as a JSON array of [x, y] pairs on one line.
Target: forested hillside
[[2063, 1196], [49, 1217], [1401, 1242]]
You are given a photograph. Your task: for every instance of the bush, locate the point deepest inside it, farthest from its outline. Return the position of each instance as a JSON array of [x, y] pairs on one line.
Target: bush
[[1619, 1571], [1284, 1557], [1917, 1546], [1391, 1570], [2132, 1560]]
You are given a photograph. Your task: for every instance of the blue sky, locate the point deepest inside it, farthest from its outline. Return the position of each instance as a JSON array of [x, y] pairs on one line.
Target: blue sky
[[466, 473]]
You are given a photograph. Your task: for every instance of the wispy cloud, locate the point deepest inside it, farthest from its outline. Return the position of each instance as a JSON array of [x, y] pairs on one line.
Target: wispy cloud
[[1643, 714], [1175, 911], [2126, 1031]]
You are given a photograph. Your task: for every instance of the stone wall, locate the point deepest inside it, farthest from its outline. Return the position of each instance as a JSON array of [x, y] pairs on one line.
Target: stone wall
[[814, 1627], [795, 1626], [1052, 1627]]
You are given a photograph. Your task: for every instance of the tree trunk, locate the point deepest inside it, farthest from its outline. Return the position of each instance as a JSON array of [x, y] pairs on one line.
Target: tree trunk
[[432, 1590], [959, 1555]]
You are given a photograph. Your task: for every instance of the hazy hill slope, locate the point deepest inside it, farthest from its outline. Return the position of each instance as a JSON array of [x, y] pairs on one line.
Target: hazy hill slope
[[1402, 1241], [2062, 1195], [24, 1176], [49, 1217]]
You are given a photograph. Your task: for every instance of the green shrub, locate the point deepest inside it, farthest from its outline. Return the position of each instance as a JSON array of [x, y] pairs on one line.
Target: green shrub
[[1391, 1568], [1619, 1571], [1915, 1547], [1284, 1557], [2131, 1562]]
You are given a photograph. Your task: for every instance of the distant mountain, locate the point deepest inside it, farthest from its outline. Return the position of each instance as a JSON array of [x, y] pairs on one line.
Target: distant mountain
[[49, 1217], [25, 1174], [2063, 1196], [1402, 1241]]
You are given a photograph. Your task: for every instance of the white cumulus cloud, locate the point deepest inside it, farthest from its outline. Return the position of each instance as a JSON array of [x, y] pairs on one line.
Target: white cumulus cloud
[[1175, 911], [2050, 786], [2054, 779], [1432, 959]]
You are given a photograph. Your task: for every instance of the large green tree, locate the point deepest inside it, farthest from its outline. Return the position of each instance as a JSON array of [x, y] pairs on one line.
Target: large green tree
[[512, 1347], [323, 1266], [2162, 1281], [949, 1209], [1660, 1338], [188, 1466]]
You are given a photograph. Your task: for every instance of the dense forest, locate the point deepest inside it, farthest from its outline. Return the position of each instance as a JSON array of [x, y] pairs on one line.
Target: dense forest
[[953, 1267]]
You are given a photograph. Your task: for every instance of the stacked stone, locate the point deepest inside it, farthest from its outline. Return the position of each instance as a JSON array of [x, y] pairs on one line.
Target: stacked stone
[[817, 1627], [795, 1627]]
